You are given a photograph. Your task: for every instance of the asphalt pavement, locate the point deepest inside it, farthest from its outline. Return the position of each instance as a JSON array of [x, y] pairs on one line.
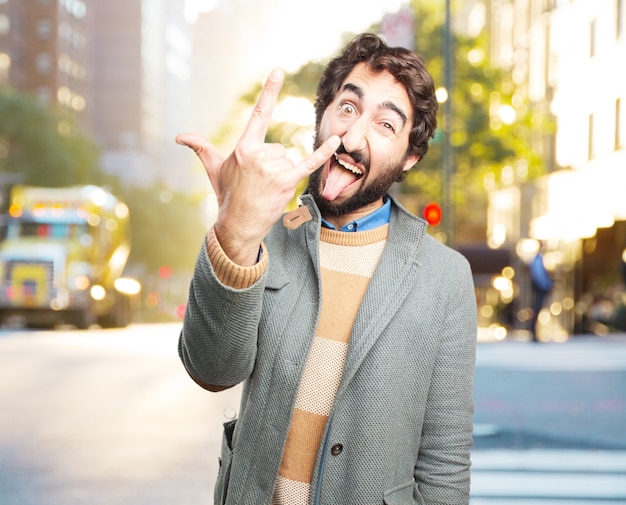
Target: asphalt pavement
[[550, 422], [111, 418]]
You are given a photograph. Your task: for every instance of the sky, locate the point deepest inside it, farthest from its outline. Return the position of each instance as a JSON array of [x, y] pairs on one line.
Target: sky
[[315, 26]]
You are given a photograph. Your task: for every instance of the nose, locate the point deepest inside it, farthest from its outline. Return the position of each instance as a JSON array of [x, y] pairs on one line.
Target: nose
[[355, 137]]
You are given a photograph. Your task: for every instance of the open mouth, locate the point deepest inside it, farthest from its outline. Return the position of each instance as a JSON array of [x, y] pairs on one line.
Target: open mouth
[[341, 175], [348, 166]]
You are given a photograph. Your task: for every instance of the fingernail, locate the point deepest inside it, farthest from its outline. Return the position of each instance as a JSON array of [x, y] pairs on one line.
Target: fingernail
[[276, 74]]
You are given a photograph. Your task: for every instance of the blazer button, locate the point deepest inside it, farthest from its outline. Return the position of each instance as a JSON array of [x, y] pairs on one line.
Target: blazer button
[[336, 449]]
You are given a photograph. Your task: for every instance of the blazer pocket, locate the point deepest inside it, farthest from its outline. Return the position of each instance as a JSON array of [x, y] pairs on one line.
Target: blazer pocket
[[402, 495], [226, 458]]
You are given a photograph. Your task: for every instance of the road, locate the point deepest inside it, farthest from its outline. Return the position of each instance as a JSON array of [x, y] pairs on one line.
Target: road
[[550, 423], [105, 417], [110, 417]]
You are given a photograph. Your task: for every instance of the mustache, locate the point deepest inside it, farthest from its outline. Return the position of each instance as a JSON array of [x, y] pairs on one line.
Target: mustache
[[356, 156]]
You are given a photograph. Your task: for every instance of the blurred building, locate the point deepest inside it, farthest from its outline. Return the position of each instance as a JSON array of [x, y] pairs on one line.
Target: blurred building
[[567, 58], [122, 67], [45, 51], [220, 73], [140, 75]]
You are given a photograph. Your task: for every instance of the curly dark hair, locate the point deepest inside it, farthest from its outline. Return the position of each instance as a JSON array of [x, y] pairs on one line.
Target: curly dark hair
[[406, 66]]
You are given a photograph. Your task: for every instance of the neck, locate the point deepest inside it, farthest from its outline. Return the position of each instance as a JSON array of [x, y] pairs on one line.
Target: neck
[[343, 219]]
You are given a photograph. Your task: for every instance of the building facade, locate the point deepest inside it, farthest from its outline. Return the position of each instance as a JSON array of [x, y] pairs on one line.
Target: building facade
[[123, 68], [565, 56], [140, 75], [45, 50]]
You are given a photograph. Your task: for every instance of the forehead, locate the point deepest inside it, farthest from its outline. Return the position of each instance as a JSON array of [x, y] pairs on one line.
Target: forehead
[[378, 87]]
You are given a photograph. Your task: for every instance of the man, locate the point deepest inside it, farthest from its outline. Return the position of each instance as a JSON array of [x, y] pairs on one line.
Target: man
[[352, 329], [542, 284]]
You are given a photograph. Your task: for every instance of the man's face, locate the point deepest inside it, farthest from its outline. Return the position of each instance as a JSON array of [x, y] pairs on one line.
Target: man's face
[[372, 115]]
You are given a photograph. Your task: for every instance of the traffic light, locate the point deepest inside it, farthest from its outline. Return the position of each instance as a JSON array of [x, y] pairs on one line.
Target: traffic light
[[165, 272], [432, 213]]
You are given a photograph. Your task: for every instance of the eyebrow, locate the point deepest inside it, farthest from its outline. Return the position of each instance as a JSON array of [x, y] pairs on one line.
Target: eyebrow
[[385, 105]]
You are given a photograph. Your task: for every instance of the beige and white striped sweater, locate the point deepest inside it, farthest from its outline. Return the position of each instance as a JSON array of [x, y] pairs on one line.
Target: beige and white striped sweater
[[348, 261]]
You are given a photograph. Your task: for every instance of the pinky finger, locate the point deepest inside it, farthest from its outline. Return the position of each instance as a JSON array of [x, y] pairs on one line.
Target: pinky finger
[[209, 156]]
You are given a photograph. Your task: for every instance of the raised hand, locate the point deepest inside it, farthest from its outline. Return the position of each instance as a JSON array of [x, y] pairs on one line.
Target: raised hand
[[257, 181]]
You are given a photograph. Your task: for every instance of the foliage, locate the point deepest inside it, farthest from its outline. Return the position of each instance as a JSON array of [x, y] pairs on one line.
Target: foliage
[[485, 149], [304, 82], [167, 228], [43, 146]]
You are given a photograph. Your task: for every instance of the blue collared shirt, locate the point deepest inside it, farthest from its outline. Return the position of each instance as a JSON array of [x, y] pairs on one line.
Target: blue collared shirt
[[377, 218]]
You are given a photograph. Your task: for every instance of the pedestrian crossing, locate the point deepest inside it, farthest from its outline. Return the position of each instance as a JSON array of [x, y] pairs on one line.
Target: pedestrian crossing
[[548, 477], [579, 355]]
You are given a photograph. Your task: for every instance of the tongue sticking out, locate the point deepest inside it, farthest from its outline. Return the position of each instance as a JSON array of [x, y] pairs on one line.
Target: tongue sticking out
[[338, 179]]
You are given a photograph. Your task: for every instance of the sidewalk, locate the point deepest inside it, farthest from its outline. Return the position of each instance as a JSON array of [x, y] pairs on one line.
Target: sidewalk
[[542, 477], [500, 334]]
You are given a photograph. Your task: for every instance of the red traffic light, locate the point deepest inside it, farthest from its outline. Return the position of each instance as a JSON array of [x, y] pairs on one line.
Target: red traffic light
[[165, 272], [432, 213]]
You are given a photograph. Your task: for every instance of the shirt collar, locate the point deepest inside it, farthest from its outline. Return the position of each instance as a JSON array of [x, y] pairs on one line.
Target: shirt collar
[[373, 220]]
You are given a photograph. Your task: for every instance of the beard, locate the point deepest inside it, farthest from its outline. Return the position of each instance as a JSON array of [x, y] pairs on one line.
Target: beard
[[369, 191]]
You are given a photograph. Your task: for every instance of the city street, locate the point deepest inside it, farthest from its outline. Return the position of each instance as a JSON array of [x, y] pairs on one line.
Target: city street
[[550, 423], [110, 417], [105, 418]]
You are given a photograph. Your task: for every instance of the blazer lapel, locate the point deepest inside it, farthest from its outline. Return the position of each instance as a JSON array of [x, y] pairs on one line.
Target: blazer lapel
[[393, 279]]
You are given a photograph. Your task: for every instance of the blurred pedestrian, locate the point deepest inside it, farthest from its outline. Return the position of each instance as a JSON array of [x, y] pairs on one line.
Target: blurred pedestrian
[[542, 285], [623, 267], [352, 329]]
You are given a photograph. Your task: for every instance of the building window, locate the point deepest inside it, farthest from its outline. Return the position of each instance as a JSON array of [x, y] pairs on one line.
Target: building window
[[5, 66], [549, 5], [618, 124], [5, 24], [77, 8], [44, 63], [590, 146], [44, 95], [44, 29], [592, 39]]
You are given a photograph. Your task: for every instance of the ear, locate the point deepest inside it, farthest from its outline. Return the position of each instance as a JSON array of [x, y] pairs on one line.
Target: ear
[[411, 161]]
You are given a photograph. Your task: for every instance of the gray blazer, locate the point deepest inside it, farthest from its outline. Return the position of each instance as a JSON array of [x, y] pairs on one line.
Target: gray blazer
[[401, 428]]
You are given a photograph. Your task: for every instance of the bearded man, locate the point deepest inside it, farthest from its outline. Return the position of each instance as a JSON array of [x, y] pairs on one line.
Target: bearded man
[[352, 330]]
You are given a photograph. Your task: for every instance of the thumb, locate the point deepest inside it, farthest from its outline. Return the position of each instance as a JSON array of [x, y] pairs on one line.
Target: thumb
[[320, 156], [208, 155]]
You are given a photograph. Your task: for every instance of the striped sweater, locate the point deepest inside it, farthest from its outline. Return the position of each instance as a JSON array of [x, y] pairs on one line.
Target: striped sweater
[[405, 419], [348, 261]]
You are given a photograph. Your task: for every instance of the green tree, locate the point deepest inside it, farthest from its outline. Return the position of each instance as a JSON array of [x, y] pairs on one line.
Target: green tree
[[485, 145], [44, 146], [167, 228]]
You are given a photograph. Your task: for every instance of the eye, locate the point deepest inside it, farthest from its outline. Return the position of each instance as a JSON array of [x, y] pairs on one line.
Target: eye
[[347, 108], [388, 126]]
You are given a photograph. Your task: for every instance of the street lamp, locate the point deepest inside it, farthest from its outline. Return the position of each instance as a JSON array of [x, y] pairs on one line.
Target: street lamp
[[448, 216]]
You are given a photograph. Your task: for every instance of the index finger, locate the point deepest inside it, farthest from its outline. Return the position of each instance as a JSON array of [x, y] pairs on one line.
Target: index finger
[[259, 121]]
